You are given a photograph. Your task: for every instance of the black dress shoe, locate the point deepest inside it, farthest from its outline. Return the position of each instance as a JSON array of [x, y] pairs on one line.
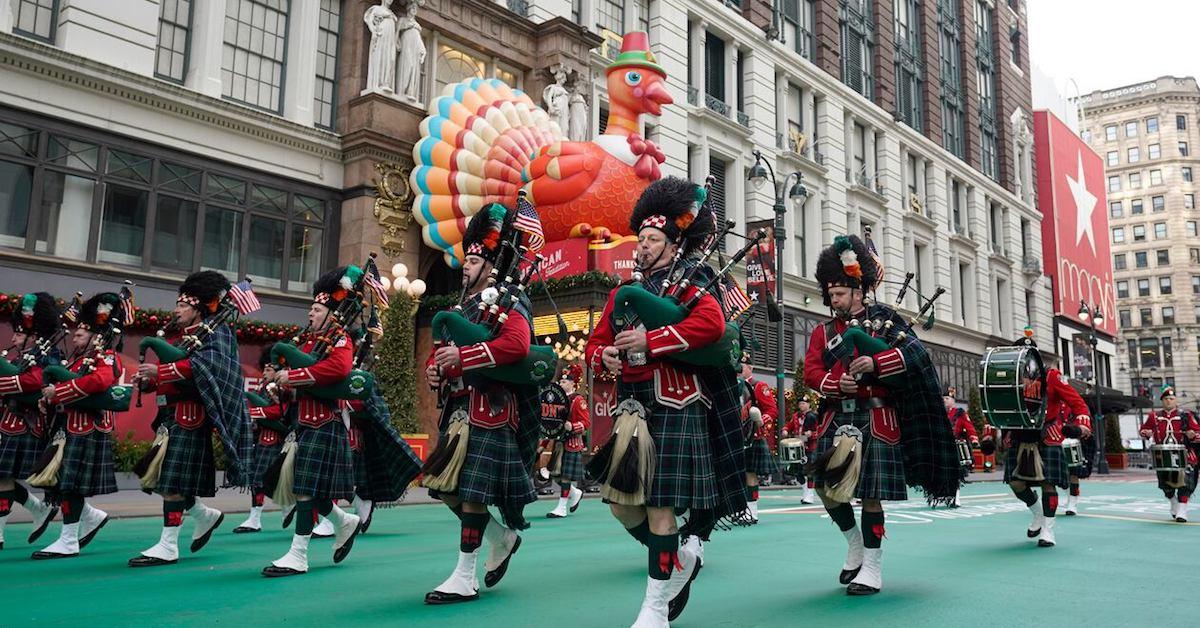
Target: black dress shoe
[[245, 530], [91, 535], [855, 588], [848, 574], [149, 561], [675, 606], [366, 523], [1033, 534], [491, 578], [1044, 543], [287, 520], [553, 515], [42, 555], [271, 571], [37, 532], [342, 552], [438, 597], [198, 544]]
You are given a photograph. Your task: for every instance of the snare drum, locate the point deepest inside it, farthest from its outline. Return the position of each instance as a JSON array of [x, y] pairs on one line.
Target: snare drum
[[964, 454], [1169, 457], [1006, 401], [791, 451], [1073, 452]]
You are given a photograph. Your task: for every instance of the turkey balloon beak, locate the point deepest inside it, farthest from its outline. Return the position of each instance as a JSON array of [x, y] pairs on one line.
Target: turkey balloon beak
[[655, 97]]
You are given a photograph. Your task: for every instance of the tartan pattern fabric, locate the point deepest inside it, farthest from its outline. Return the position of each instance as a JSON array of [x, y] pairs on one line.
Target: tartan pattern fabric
[[260, 459], [683, 474], [19, 454], [386, 464], [1089, 458], [188, 468], [324, 465], [759, 459], [1054, 464], [881, 475], [572, 465], [217, 376], [87, 465], [493, 473], [725, 440]]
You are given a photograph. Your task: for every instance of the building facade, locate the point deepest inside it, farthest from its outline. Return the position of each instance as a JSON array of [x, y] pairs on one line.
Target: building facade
[[1147, 135]]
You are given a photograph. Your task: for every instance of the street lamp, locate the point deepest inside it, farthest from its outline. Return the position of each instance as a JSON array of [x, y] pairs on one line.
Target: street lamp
[[797, 193], [1094, 317]]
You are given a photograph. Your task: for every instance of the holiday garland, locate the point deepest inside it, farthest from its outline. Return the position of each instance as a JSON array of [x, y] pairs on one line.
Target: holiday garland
[[555, 286], [396, 365]]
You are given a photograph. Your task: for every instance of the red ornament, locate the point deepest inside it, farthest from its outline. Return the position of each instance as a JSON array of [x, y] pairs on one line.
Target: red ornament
[[153, 320]]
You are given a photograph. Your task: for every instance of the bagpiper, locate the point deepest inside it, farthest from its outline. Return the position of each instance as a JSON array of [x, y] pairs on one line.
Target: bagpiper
[[271, 425], [759, 411], [882, 423], [35, 325], [1180, 427], [568, 450], [200, 393], [963, 430]]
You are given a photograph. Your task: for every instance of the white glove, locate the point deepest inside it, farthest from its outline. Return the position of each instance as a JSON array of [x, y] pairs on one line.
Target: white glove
[[756, 416]]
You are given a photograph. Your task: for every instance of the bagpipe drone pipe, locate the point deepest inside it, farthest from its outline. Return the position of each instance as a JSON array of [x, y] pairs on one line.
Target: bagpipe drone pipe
[[117, 397]]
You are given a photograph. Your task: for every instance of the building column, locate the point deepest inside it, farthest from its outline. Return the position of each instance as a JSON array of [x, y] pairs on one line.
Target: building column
[[699, 76], [730, 97], [872, 163], [6, 16], [301, 73], [781, 109], [208, 39]]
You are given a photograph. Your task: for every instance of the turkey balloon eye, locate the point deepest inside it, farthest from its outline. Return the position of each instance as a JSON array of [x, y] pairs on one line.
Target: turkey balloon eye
[[633, 78]]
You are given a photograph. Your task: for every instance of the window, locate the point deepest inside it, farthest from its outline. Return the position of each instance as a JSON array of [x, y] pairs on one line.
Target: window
[[1123, 289], [1181, 122], [1168, 316], [1189, 201], [1151, 125], [1153, 151], [1114, 183], [1118, 235], [1143, 286], [1156, 177], [325, 92], [799, 17], [1186, 171], [1110, 132], [1132, 154], [1191, 227], [174, 32], [1135, 207], [1135, 180], [1183, 149], [610, 15], [1139, 233], [642, 8], [1132, 352], [949, 39], [1115, 209], [1197, 313], [1119, 261], [1195, 284], [35, 18], [1131, 129], [1014, 41], [453, 65], [253, 54], [1194, 256], [1164, 285], [714, 68], [1167, 358], [985, 82], [1126, 319], [857, 47], [1113, 158], [1163, 257], [1157, 204], [1146, 316], [1160, 230], [1139, 259], [1086, 136]]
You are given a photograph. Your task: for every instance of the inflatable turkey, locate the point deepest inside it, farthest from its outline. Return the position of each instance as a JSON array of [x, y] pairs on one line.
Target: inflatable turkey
[[484, 141]]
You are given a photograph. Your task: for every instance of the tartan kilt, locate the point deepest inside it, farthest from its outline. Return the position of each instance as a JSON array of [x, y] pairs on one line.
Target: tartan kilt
[[683, 474], [1189, 480], [87, 465], [759, 459], [493, 472], [572, 466], [19, 454], [261, 459], [881, 475], [324, 465], [188, 468], [1054, 464], [362, 477]]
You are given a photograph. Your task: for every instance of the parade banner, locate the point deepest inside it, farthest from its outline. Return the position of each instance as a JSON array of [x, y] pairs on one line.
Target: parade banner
[[614, 258], [760, 263], [564, 258]]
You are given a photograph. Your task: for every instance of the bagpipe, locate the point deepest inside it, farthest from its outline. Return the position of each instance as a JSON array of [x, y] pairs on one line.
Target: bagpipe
[[36, 353], [883, 330], [117, 397]]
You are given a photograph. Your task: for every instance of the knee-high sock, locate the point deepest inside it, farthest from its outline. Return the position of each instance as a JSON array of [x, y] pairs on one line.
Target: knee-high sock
[[1183, 499], [1049, 503], [565, 489], [17, 494], [306, 517], [641, 532], [842, 515], [1075, 489], [72, 508], [1026, 495], [172, 514], [258, 498], [324, 506], [751, 492], [663, 552], [473, 524], [872, 529]]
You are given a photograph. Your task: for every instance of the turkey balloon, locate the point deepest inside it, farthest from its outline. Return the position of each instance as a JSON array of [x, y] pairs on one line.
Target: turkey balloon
[[484, 141]]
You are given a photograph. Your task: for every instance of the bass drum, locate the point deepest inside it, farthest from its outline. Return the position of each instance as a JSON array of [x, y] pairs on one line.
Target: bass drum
[[1013, 390]]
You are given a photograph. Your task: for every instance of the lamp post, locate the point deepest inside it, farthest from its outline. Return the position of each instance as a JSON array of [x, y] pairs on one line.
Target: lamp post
[[1094, 316], [797, 193]]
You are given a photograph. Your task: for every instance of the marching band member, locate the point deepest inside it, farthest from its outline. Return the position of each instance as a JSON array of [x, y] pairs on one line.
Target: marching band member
[[804, 423], [962, 428], [865, 409], [34, 319], [201, 394], [270, 427], [1182, 427], [569, 450], [1081, 426], [760, 409]]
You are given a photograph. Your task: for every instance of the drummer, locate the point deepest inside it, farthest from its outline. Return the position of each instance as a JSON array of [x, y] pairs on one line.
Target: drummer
[[1179, 426], [803, 424], [963, 429], [1035, 456]]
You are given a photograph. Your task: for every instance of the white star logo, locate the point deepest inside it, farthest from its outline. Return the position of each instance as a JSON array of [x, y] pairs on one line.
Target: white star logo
[[1085, 204]]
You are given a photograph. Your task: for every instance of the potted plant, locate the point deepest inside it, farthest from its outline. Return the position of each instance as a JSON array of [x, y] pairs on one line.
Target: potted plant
[[1114, 449]]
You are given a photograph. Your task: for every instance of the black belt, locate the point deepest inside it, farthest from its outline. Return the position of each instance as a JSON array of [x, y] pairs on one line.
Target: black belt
[[860, 404], [170, 400]]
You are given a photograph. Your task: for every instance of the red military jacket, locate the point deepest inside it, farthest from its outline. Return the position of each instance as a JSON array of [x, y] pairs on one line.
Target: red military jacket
[[15, 421], [763, 398], [510, 344], [101, 378], [824, 377], [1177, 423], [333, 368], [270, 412], [1063, 404], [170, 382], [580, 420], [704, 325], [961, 425]]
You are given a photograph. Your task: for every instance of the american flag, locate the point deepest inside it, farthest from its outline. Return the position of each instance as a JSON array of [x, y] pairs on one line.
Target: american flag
[[127, 305], [734, 298], [530, 224], [374, 326], [376, 285], [243, 297]]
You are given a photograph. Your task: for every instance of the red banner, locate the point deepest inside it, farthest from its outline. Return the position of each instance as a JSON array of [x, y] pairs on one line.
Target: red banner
[[603, 402], [564, 258], [760, 262], [614, 258]]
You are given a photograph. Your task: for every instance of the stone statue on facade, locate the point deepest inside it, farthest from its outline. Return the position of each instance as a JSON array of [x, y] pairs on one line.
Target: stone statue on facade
[[556, 99], [580, 120], [381, 61], [412, 53]]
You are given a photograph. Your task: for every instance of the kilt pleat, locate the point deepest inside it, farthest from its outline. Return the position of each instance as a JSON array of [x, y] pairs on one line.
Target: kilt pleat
[[324, 464], [881, 475], [261, 458], [572, 466], [188, 468], [493, 472], [19, 454], [87, 465], [1054, 464], [759, 459], [683, 474]]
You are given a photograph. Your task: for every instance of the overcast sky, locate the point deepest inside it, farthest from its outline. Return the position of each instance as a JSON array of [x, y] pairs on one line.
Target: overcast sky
[[1108, 43]]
